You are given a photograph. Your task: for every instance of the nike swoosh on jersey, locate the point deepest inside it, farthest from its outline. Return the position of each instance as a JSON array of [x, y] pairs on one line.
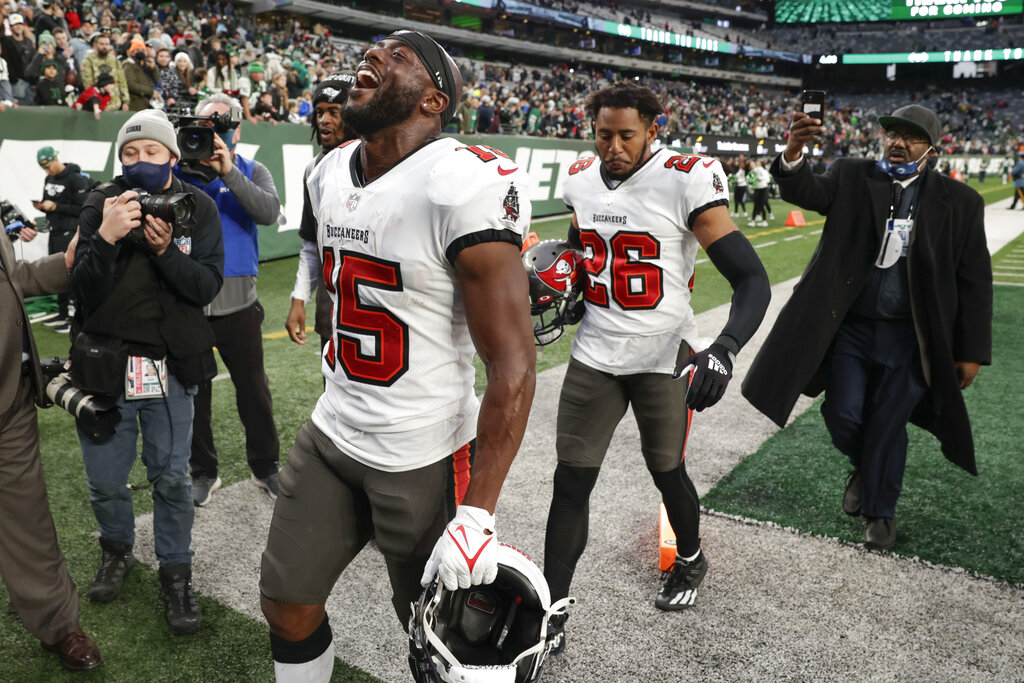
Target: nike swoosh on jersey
[[707, 164], [470, 561], [506, 171]]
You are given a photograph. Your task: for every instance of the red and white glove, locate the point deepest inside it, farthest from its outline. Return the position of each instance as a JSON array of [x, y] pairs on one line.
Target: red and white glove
[[467, 552]]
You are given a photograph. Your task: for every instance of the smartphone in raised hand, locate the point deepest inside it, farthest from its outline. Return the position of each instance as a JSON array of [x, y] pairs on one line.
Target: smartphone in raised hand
[[812, 103]]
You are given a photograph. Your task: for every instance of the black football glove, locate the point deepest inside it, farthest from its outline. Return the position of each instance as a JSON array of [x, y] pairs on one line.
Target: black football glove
[[712, 370]]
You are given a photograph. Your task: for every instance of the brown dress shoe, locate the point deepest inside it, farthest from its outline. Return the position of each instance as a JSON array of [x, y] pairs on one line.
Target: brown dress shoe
[[77, 651], [880, 534]]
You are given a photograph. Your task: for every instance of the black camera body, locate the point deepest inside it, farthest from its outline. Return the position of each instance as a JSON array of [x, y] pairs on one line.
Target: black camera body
[[98, 417], [196, 141], [13, 219], [178, 210]]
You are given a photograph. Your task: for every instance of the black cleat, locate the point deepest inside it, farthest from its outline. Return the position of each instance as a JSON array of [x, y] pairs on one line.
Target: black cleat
[[681, 581], [556, 634]]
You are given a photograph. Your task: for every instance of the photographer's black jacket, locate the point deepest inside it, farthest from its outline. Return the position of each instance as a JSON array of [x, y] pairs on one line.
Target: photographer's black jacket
[[68, 190], [152, 303]]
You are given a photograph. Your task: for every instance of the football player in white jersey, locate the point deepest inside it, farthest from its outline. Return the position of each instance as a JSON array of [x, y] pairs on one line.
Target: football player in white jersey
[[419, 236], [639, 217]]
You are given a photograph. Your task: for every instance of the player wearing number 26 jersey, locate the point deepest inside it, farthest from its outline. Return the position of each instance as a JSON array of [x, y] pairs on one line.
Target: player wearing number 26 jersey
[[640, 251], [419, 238], [639, 217]]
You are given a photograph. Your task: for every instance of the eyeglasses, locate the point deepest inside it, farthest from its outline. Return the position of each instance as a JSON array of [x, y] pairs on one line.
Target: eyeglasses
[[909, 138]]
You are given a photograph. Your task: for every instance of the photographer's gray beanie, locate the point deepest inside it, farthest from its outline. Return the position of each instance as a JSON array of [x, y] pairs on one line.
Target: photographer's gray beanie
[[149, 124]]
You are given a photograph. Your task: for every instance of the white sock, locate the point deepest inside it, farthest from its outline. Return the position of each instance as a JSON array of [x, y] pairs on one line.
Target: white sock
[[317, 671], [688, 559]]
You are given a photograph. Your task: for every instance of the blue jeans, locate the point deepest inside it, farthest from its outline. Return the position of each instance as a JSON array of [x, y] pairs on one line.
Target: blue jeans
[[107, 466]]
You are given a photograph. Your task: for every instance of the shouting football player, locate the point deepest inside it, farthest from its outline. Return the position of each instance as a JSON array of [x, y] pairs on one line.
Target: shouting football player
[[420, 240], [638, 217]]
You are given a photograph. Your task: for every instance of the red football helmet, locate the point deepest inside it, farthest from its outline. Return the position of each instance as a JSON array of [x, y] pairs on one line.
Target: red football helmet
[[556, 273]]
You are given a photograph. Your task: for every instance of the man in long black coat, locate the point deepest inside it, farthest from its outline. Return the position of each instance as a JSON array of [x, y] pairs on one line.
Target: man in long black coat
[[893, 315]]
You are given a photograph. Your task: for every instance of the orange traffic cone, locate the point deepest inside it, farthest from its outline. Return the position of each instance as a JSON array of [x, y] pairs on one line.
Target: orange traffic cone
[[795, 219]]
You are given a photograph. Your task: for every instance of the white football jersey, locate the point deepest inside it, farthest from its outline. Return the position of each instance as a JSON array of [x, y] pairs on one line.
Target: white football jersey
[[639, 255], [399, 367]]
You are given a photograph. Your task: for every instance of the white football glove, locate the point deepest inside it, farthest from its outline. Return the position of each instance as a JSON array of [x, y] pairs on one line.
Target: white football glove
[[467, 552]]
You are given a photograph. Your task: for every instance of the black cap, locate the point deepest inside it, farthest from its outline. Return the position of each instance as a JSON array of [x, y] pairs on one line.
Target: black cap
[[334, 88], [915, 116]]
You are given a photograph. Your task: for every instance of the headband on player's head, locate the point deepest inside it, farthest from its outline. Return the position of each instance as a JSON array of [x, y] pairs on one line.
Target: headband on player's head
[[438, 64], [334, 88]]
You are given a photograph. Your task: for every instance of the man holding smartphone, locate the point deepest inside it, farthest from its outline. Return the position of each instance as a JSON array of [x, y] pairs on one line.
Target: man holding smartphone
[[893, 316], [64, 192]]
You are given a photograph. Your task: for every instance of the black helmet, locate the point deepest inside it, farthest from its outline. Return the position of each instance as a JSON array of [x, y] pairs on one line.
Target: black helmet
[[555, 270]]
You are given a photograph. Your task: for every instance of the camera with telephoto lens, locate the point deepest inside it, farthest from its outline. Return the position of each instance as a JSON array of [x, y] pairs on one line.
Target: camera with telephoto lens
[[178, 210], [196, 140], [13, 219], [97, 416]]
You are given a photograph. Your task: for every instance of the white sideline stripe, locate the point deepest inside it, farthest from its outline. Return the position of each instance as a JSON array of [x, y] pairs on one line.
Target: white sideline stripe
[[794, 237], [223, 375], [815, 232], [765, 244], [700, 261], [1002, 274], [1008, 284]]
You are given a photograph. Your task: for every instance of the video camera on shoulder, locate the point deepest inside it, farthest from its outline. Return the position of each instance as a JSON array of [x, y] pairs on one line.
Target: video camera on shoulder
[[195, 140], [178, 210]]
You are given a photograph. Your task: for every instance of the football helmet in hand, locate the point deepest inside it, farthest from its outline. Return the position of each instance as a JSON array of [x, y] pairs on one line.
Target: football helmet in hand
[[493, 633], [556, 273]]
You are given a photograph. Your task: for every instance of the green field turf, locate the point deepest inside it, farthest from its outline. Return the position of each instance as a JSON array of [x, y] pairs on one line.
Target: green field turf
[[230, 647]]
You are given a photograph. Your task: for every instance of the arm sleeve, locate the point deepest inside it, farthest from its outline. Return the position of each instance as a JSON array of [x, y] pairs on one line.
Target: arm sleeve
[[736, 259], [257, 196], [307, 272], [198, 276]]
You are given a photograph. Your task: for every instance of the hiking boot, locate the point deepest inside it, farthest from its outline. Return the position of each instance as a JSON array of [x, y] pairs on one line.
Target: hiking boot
[[681, 582], [270, 483], [556, 634], [851, 497], [203, 488], [183, 613], [116, 562]]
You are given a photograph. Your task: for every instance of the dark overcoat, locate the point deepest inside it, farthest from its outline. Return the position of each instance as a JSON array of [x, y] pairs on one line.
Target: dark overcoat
[[950, 280]]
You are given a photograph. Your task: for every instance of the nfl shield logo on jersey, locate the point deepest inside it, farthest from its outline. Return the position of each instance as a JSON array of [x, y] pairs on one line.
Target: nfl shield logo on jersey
[[352, 203], [510, 205]]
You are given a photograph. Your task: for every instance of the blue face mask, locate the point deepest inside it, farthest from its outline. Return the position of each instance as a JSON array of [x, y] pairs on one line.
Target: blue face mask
[[900, 171], [229, 139], [149, 177]]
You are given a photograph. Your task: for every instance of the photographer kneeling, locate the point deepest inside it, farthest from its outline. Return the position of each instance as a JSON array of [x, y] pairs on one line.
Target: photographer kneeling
[[145, 267], [246, 197]]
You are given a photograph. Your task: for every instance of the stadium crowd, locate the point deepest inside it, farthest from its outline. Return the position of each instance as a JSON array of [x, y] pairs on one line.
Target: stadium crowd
[[103, 55]]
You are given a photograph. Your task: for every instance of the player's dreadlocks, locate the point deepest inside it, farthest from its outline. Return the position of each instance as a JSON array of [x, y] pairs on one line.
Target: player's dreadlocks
[[624, 95]]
